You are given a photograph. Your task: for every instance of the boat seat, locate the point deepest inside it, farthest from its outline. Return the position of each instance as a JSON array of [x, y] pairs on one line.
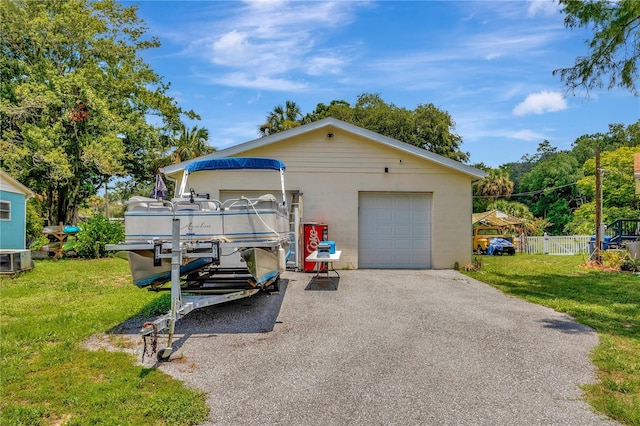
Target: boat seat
[[138, 208], [148, 207], [210, 205], [159, 208]]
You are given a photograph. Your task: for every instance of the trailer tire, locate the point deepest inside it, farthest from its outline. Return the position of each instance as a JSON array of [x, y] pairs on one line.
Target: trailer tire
[[275, 287], [161, 357]]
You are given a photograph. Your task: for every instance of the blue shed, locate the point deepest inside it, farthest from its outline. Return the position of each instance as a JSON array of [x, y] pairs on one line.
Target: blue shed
[[13, 212]]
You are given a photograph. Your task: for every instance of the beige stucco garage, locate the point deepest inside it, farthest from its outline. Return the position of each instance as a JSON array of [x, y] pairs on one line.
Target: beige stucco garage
[[388, 204]]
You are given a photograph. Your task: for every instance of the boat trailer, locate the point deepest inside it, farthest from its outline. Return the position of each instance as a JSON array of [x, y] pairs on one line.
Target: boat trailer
[[185, 300]]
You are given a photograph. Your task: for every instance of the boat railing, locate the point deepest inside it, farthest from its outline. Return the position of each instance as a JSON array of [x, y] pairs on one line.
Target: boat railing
[[151, 205], [197, 205], [148, 205], [263, 202]]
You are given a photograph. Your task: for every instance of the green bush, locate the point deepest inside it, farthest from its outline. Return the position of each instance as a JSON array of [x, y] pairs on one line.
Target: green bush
[[35, 223], [95, 234], [38, 242]]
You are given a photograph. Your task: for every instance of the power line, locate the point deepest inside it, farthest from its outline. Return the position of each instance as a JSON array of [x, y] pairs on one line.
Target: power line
[[522, 194]]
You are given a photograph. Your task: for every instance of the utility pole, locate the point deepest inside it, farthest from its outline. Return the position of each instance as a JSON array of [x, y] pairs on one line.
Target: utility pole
[[599, 230]]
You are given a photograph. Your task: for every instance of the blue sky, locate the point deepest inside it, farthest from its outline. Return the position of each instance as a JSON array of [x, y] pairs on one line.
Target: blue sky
[[487, 63]]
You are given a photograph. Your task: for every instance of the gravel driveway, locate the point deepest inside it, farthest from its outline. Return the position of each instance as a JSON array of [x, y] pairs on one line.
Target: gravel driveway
[[386, 347]]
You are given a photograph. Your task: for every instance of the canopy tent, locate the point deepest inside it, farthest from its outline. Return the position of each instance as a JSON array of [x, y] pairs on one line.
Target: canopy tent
[[495, 218]]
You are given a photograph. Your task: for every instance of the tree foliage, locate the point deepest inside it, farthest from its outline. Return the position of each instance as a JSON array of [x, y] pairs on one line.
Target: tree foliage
[[614, 49], [425, 126], [95, 234], [190, 143], [75, 98], [559, 186], [553, 191], [495, 185], [282, 118], [532, 224], [618, 187]]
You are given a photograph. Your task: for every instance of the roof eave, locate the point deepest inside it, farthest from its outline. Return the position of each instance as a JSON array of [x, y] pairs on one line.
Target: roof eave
[[29, 193]]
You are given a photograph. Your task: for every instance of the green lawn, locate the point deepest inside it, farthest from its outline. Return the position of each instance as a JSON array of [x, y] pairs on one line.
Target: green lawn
[[607, 301], [48, 378]]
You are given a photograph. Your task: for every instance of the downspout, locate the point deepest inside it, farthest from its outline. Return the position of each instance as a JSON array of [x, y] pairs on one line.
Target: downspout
[[284, 195]]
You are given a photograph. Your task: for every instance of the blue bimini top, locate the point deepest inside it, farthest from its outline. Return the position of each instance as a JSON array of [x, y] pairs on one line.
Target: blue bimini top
[[235, 164]]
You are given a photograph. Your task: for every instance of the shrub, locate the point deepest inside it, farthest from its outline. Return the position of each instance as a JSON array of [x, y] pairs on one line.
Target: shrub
[[96, 233], [475, 265], [630, 264], [35, 223], [613, 258]]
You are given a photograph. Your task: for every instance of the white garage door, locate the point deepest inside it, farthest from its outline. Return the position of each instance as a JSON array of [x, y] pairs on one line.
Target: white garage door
[[394, 231]]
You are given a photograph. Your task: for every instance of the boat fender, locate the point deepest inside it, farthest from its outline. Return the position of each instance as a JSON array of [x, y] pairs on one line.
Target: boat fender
[[282, 262]]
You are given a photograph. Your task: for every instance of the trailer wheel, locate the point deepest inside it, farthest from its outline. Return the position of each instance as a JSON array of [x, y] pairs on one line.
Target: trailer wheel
[[479, 250], [164, 354], [275, 287]]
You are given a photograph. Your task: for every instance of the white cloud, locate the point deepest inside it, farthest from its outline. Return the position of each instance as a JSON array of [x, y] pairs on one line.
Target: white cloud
[[251, 81], [527, 135], [321, 65], [275, 43], [546, 7], [231, 48], [539, 103]]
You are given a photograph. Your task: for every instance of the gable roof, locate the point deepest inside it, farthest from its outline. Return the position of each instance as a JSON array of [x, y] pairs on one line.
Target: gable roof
[[333, 123], [9, 184]]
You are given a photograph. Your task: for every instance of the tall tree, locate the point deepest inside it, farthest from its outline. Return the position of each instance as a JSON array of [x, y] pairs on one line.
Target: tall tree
[[614, 49], [618, 136], [75, 98], [618, 191], [337, 108], [520, 168], [426, 126], [282, 118], [553, 183], [495, 185], [618, 186], [191, 143]]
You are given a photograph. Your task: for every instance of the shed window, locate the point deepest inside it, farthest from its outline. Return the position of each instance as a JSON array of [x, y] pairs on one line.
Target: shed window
[[5, 210]]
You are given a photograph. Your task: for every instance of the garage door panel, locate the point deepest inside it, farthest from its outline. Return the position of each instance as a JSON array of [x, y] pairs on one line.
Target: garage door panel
[[384, 228], [418, 244], [404, 230], [394, 231], [403, 245]]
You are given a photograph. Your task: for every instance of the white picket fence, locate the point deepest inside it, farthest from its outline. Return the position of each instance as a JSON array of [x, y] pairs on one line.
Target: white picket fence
[[573, 244]]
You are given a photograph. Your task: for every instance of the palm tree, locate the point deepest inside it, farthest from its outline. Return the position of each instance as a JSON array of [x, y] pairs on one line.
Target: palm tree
[[495, 185], [191, 143], [281, 119]]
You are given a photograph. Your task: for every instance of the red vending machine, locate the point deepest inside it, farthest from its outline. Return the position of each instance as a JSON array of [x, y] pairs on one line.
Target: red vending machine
[[313, 233]]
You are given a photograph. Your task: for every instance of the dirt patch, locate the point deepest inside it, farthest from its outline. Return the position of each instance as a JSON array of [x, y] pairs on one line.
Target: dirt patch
[[599, 266], [123, 338]]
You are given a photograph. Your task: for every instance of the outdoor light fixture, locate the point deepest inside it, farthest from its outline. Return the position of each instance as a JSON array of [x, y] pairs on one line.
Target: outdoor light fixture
[[386, 170]]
